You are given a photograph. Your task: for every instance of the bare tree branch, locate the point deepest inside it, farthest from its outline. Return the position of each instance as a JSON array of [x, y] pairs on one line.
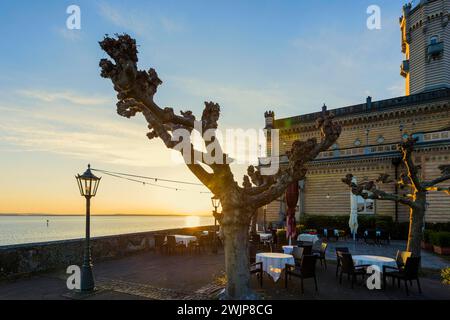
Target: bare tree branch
[[300, 154], [445, 170], [407, 148], [368, 190]]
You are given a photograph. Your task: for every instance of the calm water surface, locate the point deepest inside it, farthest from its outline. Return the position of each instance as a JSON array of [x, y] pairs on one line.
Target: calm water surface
[[29, 229]]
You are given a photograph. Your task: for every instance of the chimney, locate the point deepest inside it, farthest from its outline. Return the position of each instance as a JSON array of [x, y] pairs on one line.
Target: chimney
[[369, 103]]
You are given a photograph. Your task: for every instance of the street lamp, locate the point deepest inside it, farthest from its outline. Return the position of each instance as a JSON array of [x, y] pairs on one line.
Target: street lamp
[[216, 204], [88, 185]]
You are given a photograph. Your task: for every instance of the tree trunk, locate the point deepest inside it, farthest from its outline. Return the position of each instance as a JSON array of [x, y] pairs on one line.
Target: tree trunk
[[253, 223], [416, 221], [237, 264]]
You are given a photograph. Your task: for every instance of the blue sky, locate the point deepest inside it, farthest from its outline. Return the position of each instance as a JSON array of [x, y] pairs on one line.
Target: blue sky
[[249, 56]]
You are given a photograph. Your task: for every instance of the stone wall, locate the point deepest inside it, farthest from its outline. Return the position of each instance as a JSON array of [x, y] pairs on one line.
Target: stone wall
[[25, 259]]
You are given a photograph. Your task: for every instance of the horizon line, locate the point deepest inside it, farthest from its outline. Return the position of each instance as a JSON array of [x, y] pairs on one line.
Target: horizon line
[[106, 214]]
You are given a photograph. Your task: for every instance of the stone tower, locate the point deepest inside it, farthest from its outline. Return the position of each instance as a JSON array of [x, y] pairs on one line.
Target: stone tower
[[426, 45]]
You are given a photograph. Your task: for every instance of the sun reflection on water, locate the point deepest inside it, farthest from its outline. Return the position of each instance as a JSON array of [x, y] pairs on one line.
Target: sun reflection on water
[[192, 221]]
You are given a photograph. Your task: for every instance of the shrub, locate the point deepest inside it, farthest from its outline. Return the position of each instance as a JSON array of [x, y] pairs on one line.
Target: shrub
[[440, 226], [426, 236], [440, 239], [445, 275]]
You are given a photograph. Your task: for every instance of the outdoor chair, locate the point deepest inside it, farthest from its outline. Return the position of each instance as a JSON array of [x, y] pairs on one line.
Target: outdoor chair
[[160, 242], [338, 261], [307, 247], [298, 253], [307, 269], [255, 267], [320, 254], [384, 237], [370, 236], [349, 268], [173, 245], [409, 273], [200, 245], [401, 258]]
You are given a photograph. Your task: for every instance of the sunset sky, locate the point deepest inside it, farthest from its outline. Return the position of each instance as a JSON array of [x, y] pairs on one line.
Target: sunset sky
[[58, 114]]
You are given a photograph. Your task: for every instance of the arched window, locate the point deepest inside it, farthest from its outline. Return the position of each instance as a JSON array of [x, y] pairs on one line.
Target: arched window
[[434, 39]]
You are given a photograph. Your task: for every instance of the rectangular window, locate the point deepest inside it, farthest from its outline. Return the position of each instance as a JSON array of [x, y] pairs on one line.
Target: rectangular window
[[365, 206]]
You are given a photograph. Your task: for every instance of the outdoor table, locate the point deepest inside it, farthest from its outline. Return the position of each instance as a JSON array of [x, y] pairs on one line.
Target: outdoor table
[[265, 236], [185, 239], [374, 260], [273, 263], [288, 249], [305, 237]]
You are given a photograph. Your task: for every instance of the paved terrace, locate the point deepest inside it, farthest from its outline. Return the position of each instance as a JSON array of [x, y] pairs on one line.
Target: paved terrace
[[156, 276]]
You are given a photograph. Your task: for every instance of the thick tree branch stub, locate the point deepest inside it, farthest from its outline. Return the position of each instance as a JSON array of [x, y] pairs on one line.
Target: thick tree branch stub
[[407, 148]]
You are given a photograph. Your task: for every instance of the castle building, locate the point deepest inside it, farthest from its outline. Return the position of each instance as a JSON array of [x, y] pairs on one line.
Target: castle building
[[372, 130]]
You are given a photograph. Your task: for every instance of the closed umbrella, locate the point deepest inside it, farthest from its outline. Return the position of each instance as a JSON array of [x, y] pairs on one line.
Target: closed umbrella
[[291, 202], [353, 221]]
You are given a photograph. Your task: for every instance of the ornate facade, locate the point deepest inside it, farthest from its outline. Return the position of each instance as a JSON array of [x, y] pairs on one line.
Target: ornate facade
[[372, 130]]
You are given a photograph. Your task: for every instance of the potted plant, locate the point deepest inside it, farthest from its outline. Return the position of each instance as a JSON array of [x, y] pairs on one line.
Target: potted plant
[[426, 242], [441, 242]]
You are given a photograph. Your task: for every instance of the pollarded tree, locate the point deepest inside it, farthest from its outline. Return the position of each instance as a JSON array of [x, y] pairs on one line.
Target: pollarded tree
[[416, 200], [135, 93]]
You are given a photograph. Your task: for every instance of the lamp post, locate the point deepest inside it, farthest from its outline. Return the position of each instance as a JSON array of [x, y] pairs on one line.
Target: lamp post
[[88, 185], [216, 204]]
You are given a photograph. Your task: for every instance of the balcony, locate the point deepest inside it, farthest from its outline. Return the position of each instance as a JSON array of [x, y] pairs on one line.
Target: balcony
[[404, 68], [434, 50]]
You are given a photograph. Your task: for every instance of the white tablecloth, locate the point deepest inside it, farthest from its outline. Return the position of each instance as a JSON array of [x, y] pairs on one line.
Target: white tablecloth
[[185, 239], [265, 236], [288, 249], [274, 263], [374, 260], [308, 237]]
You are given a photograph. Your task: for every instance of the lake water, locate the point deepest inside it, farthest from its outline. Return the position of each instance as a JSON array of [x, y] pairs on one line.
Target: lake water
[[29, 229]]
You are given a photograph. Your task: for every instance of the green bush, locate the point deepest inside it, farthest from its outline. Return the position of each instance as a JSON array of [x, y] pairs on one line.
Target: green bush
[[440, 239], [445, 275], [426, 236], [440, 226]]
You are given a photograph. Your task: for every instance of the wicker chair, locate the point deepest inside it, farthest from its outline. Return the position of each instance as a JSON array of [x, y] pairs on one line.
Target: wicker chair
[[338, 261], [409, 272], [173, 245], [255, 267], [348, 267], [160, 243], [320, 254], [307, 269]]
